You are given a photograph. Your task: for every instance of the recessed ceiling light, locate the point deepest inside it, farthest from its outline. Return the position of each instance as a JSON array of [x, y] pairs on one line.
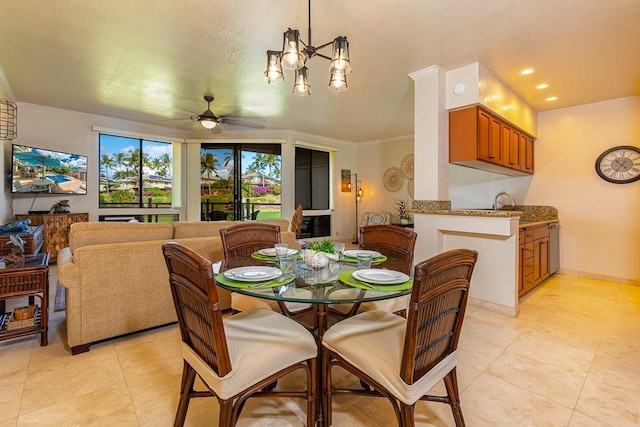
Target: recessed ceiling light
[[526, 71], [552, 98], [542, 86]]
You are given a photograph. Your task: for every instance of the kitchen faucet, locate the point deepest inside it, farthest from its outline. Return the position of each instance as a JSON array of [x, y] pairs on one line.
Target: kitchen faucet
[[509, 196]]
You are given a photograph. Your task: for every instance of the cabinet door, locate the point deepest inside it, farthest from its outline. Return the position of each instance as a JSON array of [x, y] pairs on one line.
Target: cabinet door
[[514, 149], [540, 260], [495, 141], [483, 143], [526, 153], [544, 258]]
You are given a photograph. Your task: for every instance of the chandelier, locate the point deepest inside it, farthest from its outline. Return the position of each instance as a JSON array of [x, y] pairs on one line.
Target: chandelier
[[294, 56]]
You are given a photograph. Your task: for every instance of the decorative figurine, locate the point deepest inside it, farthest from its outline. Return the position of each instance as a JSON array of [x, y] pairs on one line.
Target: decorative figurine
[[61, 207], [15, 257], [18, 226]]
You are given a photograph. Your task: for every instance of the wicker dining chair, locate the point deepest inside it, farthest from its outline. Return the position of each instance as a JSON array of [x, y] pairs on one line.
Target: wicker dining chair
[[403, 359], [236, 357], [243, 240], [397, 244]]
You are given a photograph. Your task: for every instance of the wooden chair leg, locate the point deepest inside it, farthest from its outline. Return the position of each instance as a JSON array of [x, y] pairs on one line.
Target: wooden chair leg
[[326, 390], [225, 418], [186, 387], [451, 384], [312, 397], [407, 415]]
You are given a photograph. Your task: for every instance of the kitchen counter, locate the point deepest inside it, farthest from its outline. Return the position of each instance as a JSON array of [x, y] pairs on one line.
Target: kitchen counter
[[494, 234], [530, 215]]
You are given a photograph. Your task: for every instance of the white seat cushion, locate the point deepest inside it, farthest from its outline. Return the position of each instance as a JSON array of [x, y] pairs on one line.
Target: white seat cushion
[[241, 302], [373, 342], [261, 343], [391, 305]]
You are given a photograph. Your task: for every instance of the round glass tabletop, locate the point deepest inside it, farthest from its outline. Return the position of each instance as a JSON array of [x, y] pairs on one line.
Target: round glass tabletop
[[333, 284]]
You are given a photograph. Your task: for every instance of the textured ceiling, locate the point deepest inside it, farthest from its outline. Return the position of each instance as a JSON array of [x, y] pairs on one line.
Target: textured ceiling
[[152, 61]]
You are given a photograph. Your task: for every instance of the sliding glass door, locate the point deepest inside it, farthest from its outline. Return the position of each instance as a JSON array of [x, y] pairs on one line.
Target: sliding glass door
[[240, 181]]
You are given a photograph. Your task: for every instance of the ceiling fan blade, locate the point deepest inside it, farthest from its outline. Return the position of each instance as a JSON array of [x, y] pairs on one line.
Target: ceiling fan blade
[[217, 129], [239, 122]]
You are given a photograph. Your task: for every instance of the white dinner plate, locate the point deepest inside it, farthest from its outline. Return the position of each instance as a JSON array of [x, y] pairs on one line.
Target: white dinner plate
[[252, 273], [354, 253], [272, 251], [380, 277]]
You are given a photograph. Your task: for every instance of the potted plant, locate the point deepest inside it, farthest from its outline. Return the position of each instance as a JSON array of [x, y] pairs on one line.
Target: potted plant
[[320, 253], [403, 212]]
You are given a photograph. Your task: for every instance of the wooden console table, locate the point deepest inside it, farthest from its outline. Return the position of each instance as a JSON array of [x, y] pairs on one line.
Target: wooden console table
[[56, 229], [30, 280]]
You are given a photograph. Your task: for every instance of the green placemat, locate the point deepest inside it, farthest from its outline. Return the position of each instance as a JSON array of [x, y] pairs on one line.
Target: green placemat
[[267, 258], [282, 280], [347, 278], [377, 260]]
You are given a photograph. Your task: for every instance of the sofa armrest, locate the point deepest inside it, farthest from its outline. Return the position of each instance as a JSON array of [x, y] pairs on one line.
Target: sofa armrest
[[68, 272]]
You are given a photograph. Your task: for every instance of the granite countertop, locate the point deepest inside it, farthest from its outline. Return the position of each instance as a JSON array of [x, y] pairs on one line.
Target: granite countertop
[[529, 215]]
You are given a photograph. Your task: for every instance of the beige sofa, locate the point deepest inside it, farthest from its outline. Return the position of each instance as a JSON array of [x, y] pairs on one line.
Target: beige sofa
[[116, 279]]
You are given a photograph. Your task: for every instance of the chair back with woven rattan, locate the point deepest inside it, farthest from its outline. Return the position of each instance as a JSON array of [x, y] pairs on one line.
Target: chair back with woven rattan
[[436, 311], [195, 298], [394, 242], [296, 220], [244, 239]]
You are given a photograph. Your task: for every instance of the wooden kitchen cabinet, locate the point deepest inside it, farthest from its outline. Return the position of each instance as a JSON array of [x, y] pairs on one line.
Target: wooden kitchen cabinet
[[533, 257], [56, 229], [510, 147], [525, 148], [482, 140]]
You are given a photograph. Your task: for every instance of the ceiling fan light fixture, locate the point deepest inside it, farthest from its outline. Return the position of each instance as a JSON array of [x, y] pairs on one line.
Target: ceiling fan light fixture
[[274, 67], [340, 58], [207, 122], [338, 81], [301, 85]]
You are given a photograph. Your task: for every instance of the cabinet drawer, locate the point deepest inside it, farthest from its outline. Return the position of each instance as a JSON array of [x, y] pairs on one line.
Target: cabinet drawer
[[540, 232], [528, 266], [527, 250], [528, 234], [528, 282]]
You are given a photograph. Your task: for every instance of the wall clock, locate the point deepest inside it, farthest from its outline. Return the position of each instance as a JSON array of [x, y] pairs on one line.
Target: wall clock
[[620, 165]]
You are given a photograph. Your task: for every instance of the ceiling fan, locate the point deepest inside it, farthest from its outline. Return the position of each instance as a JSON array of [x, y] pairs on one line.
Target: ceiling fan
[[210, 121]]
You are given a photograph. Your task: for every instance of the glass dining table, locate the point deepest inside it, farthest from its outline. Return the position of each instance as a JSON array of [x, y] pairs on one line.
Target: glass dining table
[[319, 289]]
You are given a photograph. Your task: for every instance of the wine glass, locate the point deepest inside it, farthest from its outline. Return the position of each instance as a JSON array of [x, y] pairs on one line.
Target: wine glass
[[339, 248]]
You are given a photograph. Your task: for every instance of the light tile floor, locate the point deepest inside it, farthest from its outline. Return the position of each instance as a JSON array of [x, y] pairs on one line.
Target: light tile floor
[[572, 358]]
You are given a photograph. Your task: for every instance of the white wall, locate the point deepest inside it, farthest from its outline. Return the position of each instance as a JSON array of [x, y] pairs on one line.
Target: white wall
[[70, 131], [374, 159], [599, 226]]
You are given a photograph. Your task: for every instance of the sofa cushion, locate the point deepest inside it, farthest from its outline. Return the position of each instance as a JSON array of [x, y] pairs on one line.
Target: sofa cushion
[[183, 229], [99, 233]]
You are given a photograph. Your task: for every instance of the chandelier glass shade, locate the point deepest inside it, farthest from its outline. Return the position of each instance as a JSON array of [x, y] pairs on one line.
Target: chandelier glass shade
[[295, 54]]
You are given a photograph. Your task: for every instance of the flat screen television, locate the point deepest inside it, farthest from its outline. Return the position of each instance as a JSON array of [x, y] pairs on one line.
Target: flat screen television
[[39, 170]]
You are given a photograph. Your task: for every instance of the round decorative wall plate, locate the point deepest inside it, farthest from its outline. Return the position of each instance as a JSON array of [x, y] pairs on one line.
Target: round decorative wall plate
[[392, 179], [619, 165], [407, 166], [410, 187]]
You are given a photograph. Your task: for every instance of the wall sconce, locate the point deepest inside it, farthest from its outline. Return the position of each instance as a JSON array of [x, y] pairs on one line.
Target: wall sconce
[[8, 119], [345, 181]]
